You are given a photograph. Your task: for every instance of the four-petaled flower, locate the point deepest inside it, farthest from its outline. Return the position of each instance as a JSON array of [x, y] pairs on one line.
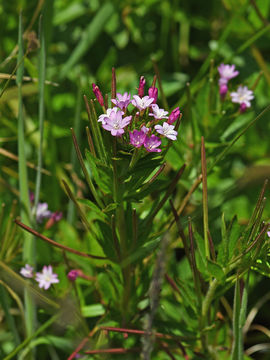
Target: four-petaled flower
[[137, 138], [142, 103], [42, 212], [27, 271], [102, 118], [46, 277], [158, 113], [242, 96], [167, 130], [122, 101], [115, 123], [226, 72], [152, 143]]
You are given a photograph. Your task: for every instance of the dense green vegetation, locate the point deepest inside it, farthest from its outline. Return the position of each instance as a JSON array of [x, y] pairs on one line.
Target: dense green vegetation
[[51, 53]]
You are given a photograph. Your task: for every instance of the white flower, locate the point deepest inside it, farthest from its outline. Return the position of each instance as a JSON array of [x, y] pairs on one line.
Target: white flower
[[158, 113], [42, 212], [46, 277], [102, 118], [142, 103], [167, 130], [27, 271], [242, 96]]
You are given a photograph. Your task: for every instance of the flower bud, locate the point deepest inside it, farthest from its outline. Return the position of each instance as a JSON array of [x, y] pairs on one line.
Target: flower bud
[[141, 86], [73, 274], [242, 108], [153, 93], [223, 91], [174, 116], [98, 94]]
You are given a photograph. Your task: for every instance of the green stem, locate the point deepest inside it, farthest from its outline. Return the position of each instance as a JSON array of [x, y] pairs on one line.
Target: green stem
[[29, 245]]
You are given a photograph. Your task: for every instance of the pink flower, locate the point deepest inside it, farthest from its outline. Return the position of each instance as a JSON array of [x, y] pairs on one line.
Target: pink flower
[[115, 123], [27, 271], [102, 118], [167, 130], [142, 103], [268, 233], [174, 115], [144, 129], [152, 143], [137, 138], [153, 93], [141, 87], [42, 212], [122, 101], [158, 113], [242, 96], [98, 94], [226, 73], [46, 277]]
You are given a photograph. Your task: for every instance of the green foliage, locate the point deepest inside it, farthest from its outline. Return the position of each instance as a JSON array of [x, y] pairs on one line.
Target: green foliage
[[114, 199]]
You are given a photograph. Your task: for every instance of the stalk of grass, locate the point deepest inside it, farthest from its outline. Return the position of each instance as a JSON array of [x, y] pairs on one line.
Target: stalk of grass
[[34, 334], [237, 350], [205, 201], [28, 245], [74, 163], [41, 112]]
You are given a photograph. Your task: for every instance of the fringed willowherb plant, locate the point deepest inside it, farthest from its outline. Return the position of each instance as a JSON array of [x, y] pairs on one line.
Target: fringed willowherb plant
[[121, 216]]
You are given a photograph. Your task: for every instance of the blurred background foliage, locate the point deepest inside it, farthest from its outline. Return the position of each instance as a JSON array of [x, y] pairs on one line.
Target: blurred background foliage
[[85, 39], [186, 40]]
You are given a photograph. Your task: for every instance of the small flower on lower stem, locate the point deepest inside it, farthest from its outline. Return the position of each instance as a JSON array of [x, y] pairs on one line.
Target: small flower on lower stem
[[174, 115], [137, 138], [122, 101], [226, 73], [158, 113], [27, 271], [167, 130], [142, 103], [46, 277], [115, 123], [152, 143], [42, 212], [242, 96]]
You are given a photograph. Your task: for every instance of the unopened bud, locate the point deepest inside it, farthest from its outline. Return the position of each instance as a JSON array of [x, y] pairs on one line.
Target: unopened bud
[[98, 94]]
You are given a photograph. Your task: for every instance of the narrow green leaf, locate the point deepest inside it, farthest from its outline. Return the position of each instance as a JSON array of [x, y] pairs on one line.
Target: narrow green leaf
[[88, 37], [237, 349], [93, 310]]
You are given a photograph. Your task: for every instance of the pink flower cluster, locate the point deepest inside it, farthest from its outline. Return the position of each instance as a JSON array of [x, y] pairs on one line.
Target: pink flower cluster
[[145, 124], [242, 96], [44, 278]]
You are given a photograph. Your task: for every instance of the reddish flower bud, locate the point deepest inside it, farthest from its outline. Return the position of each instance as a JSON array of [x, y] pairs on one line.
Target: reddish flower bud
[[174, 116], [153, 93], [73, 274], [141, 86], [98, 94], [243, 108], [223, 89]]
